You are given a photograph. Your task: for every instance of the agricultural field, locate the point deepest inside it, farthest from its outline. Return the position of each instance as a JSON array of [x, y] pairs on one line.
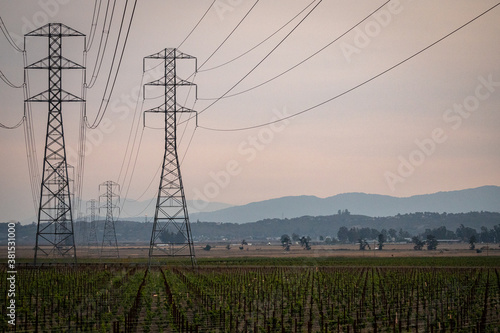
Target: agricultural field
[[459, 294]]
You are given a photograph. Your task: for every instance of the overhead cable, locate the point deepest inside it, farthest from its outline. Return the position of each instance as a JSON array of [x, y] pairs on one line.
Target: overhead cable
[[102, 48], [230, 34], [199, 21], [8, 36], [261, 61], [260, 43], [93, 26], [8, 82], [300, 62], [106, 97], [358, 85]]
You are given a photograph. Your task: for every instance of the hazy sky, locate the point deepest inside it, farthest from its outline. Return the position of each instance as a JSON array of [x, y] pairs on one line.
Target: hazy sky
[[431, 124]]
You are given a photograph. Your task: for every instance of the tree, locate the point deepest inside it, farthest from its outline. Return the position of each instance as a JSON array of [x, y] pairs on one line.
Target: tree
[[342, 234], [169, 237], [304, 241], [464, 233], [441, 233], [207, 247], [486, 235], [419, 244], [381, 241], [393, 233], [353, 235], [432, 242], [285, 242], [343, 212], [472, 242], [403, 234], [363, 244]]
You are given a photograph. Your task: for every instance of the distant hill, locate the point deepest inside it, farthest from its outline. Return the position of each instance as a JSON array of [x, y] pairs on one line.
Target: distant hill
[[128, 232], [486, 198], [316, 226], [142, 208], [138, 211]]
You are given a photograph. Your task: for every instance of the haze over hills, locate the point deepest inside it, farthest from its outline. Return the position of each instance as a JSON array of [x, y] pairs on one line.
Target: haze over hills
[[485, 198], [140, 210]]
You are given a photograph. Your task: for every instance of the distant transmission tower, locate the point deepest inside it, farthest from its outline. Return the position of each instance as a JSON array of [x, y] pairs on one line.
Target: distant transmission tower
[[171, 234], [55, 220], [109, 200], [93, 244]]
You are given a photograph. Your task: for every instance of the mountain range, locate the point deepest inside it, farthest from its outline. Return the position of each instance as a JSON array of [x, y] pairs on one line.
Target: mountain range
[[485, 198]]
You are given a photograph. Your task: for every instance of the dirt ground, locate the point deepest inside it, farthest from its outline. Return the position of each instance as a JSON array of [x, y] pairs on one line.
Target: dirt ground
[[219, 250]]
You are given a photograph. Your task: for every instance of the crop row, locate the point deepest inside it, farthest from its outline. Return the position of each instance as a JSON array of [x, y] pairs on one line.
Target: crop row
[[122, 298]]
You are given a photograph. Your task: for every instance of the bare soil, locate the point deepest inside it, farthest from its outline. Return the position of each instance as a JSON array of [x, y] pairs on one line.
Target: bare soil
[[219, 250]]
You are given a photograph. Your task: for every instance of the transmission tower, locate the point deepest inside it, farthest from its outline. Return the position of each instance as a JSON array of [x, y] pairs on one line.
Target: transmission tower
[[93, 244], [55, 220], [171, 234], [109, 200]]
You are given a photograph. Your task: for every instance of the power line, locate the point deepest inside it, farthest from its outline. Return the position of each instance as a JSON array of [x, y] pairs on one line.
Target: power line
[[260, 43], [138, 148], [136, 125], [82, 138], [8, 82], [8, 36], [29, 137], [358, 85], [13, 127], [105, 101], [228, 36], [29, 157], [194, 28], [82, 134], [150, 183], [299, 63], [100, 55], [262, 60], [180, 122], [296, 26], [93, 26], [133, 166]]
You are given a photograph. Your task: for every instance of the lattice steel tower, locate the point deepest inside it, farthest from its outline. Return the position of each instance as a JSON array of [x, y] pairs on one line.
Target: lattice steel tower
[[93, 244], [109, 200], [55, 220], [171, 234]]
